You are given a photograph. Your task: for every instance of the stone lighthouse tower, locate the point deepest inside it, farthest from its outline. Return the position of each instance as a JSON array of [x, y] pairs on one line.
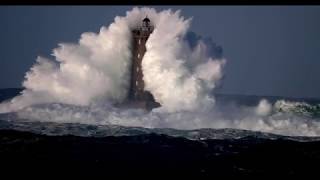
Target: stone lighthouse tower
[[137, 94]]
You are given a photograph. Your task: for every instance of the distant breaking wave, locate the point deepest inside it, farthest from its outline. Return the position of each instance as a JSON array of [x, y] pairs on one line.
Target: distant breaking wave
[[298, 108]]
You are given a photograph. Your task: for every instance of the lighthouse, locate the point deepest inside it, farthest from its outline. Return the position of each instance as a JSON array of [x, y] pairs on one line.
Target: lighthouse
[[137, 94]]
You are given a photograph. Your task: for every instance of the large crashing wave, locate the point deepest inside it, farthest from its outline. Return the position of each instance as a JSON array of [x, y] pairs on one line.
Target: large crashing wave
[[97, 68], [85, 79]]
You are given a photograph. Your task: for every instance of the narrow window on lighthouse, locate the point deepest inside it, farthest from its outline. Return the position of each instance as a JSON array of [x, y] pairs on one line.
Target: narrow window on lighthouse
[[138, 55], [137, 69], [137, 83], [139, 41]]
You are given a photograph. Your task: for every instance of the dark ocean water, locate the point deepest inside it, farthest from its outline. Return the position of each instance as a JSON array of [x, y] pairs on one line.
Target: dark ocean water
[[91, 150]]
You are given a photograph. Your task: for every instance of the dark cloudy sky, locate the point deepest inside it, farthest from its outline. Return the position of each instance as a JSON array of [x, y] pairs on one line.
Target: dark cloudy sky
[[271, 50]]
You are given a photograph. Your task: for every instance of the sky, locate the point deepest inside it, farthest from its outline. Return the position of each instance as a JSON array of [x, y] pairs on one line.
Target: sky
[[270, 50]]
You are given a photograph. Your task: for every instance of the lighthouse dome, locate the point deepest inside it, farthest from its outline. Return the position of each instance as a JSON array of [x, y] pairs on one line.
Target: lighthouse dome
[[146, 19]]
